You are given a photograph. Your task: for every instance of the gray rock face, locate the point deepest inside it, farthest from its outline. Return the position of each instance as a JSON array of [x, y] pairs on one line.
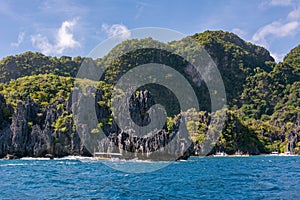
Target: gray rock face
[[5, 142], [161, 145], [32, 132], [5, 132], [292, 142], [156, 144], [292, 137], [24, 117]]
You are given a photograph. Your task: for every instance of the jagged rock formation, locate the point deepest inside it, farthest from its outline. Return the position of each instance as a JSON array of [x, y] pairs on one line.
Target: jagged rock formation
[[32, 133], [262, 96], [157, 144], [293, 137], [292, 141]]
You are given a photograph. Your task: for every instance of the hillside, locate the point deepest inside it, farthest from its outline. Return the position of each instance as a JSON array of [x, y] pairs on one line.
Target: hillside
[[235, 58], [44, 89], [293, 58], [29, 63], [263, 97]]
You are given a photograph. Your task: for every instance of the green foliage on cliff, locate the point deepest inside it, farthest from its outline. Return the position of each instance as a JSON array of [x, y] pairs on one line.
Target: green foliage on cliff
[[235, 58], [60, 123], [293, 58], [263, 97], [44, 89], [29, 63], [271, 103]]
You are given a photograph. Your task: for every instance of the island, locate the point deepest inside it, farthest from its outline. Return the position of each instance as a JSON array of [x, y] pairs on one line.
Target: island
[[262, 113]]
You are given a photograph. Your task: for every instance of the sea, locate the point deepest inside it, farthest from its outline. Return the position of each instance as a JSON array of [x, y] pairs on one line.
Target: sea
[[253, 177]]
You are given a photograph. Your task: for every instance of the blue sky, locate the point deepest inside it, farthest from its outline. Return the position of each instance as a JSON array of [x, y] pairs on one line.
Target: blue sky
[[75, 27]]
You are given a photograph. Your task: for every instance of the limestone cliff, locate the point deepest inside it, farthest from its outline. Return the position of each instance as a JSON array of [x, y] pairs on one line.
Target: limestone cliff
[[31, 132]]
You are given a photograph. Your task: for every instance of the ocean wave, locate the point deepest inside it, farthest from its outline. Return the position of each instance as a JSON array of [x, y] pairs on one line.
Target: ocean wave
[[32, 158], [12, 164]]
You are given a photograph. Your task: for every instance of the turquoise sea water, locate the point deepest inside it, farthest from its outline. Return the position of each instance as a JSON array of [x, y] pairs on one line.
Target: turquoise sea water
[[257, 177]]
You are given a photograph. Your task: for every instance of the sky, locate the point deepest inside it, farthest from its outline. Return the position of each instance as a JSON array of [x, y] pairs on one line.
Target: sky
[[75, 27]]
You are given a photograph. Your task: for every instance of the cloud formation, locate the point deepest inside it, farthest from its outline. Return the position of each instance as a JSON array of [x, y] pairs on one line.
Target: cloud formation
[[288, 26], [239, 31], [276, 29], [294, 14], [64, 39], [275, 3], [19, 41], [278, 57], [116, 30], [280, 2]]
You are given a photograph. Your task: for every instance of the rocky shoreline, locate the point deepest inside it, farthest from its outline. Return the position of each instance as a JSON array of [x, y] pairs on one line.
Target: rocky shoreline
[[30, 132], [78, 157]]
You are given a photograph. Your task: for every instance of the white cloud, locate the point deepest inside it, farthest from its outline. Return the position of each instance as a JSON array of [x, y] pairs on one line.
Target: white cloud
[[280, 28], [239, 32], [280, 2], [116, 30], [272, 3], [276, 29], [278, 56], [294, 14], [19, 41], [42, 43], [64, 39]]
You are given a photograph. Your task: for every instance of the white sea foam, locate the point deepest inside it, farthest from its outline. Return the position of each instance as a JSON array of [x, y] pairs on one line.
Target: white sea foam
[[12, 164], [31, 158], [74, 158]]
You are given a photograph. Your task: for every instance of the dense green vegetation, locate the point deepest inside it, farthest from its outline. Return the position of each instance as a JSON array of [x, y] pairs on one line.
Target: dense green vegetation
[[263, 96], [271, 103], [293, 58], [29, 63], [236, 59], [44, 89]]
